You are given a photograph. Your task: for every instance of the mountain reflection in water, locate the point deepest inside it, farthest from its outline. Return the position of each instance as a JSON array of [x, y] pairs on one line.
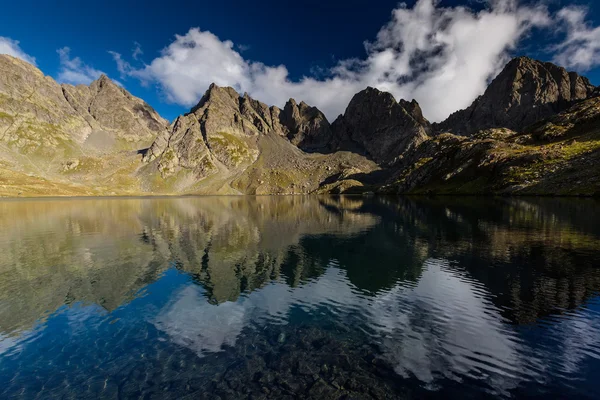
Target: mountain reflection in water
[[322, 297]]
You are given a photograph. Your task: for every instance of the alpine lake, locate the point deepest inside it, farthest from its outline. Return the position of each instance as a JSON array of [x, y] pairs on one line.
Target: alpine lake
[[300, 297]]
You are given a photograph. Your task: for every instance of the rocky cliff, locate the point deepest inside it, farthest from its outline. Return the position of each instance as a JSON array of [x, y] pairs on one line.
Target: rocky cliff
[[110, 109], [305, 126]]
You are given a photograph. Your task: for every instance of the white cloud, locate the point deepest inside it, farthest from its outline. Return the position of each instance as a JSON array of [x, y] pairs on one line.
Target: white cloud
[[73, 70], [123, 66], [581, 48], [137, 50], [191, 63], [12, 48], [443, 57]]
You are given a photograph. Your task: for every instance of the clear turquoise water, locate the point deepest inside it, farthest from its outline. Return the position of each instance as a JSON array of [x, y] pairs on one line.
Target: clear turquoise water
[[300, 297]]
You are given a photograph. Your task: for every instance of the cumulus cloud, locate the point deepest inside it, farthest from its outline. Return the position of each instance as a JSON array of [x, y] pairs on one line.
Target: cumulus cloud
[[12, 48], [581, 48], [191, 63], [443, 57], [73, 70]]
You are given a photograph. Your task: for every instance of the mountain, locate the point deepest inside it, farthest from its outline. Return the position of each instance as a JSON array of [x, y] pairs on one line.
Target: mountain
[[375, 124], [234, 144], [38, 115], [112, 111], [533, 131], [559, 156], [525, 92], [58, 139], [305, 126]]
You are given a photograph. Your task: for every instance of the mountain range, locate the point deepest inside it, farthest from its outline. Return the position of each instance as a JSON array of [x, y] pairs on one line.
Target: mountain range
[[535, 130]]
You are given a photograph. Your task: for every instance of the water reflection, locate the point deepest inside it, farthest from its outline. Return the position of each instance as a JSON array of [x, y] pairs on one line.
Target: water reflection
[[318, 297]]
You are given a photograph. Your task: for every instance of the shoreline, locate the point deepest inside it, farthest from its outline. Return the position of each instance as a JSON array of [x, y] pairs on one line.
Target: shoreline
[[362, 195]]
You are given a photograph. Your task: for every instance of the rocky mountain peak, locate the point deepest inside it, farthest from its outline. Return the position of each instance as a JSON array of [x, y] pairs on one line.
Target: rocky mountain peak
[[305, 126], [223, 129], [91, 136], [105, 84], [226, 96], [524, 92], [414, 109], [43, 117], [226, 133], [102, 81], [375, 123], [110, 108]]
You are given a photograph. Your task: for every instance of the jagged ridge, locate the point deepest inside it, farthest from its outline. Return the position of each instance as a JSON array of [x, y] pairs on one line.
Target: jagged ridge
[[229, 143]]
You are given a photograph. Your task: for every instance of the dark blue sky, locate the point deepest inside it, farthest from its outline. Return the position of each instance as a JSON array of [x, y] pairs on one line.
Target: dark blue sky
[[306, 36]]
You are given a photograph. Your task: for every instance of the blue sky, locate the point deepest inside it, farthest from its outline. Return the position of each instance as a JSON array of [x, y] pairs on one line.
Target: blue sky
[[308, 50]]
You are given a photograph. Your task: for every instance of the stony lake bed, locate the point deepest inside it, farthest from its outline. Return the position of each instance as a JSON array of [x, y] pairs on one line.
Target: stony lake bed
[[299, 297]]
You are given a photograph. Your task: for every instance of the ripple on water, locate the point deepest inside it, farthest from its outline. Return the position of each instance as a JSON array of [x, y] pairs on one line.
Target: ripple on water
[[242, 298]]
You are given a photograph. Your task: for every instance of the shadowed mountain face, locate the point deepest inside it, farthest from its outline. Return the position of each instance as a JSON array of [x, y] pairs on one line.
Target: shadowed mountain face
[[262, 292], [523, 135], [556, 156], [376, 124], [525, 92]]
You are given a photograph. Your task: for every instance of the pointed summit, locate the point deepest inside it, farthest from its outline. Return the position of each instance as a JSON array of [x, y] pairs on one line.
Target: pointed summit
[[103, 78], [379, 126], [216, 93], [109, 107], [103, 82], [525, 92], [307, 127]]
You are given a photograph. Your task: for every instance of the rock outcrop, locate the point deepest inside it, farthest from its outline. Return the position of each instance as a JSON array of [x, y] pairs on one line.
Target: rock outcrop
[[376, 124], [220, 132], [305, 126], [34, 115], [525, 92]]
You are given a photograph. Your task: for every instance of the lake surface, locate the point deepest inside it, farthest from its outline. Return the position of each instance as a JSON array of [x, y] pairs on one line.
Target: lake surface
[[300, 297]]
